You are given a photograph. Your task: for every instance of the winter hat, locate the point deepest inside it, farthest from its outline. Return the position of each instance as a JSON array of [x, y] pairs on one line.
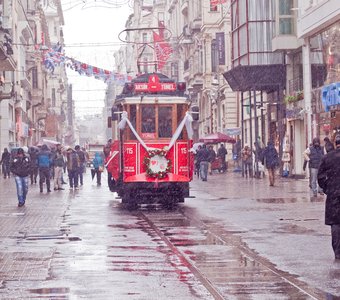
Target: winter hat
[[21, 151]]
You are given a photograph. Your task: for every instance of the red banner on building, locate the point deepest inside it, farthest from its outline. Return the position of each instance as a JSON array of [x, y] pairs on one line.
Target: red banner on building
[[163, 50], [216, 2]]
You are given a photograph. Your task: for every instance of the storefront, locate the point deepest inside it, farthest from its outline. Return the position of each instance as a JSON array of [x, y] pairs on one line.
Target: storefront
[[327, 102]]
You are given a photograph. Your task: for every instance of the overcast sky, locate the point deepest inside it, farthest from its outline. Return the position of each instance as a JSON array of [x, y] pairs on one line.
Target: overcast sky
[[88, 26]]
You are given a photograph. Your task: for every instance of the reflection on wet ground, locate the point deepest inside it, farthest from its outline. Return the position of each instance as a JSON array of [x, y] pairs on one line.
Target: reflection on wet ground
[[101, 251], [236, 273]]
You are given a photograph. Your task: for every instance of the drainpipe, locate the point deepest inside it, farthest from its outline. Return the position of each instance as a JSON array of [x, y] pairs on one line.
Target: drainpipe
[[307, 88]]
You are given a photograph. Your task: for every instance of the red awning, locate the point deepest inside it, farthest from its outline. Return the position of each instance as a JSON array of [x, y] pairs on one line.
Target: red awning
[[218, 137]]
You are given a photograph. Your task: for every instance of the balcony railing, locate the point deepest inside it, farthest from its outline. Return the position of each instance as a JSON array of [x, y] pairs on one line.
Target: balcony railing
[[295, 85]]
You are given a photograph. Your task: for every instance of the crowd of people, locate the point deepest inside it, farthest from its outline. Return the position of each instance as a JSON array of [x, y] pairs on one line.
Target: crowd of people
[[50, 166], [323, 163]]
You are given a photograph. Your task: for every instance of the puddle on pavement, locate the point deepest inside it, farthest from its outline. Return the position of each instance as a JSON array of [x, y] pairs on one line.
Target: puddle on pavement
[[46, 291], [283, 200]]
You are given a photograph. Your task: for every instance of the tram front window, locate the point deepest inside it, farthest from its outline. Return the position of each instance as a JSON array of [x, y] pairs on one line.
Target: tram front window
[[148, 119], [165, 122]]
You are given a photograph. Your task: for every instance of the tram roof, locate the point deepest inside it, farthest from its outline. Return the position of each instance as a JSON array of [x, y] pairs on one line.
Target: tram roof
[[154, 99]]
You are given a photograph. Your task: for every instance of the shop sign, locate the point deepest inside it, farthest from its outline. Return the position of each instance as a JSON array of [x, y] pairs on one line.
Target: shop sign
[[330, 95], [294, 114]]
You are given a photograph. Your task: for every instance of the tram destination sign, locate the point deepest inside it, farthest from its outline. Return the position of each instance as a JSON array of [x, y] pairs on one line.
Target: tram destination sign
[[154, 85]]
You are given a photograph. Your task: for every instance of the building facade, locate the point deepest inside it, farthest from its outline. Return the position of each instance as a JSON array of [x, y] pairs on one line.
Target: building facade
[[30, 105]]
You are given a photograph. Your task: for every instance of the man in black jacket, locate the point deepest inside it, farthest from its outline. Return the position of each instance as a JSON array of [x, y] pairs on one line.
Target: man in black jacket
[[21, 168], [314, 155], [329, 181], [203, 159]]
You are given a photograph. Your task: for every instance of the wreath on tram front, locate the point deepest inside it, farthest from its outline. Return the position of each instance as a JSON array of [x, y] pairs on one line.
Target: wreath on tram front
[[156, 163]]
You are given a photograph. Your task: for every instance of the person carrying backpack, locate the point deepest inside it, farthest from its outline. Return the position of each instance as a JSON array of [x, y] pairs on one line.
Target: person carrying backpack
[[44, 165], [73, 163]]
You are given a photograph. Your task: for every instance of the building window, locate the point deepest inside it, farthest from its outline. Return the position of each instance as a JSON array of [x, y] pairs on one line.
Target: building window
[[174, 71], [53, 98], [286, 17], [35, 78], [213, 56]]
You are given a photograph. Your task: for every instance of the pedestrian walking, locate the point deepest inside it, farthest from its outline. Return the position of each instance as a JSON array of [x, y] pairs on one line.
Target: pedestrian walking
[[203, 159], [5, 162], [20, 166], [329, 181], [212, 157], [58, 163], [73, 163], [328, 144], [222, 153], [33, 154], [196, 162], [314, 155], [271, 161], [44, 165], [98, 166], [236, 150], [247, 160], [286, 163], [82, 161]]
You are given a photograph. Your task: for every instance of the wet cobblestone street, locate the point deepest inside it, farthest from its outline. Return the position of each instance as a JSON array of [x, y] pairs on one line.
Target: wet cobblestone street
[[238, 239]]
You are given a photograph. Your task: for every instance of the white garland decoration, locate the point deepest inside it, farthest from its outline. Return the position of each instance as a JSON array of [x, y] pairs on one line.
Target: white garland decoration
[[187, 122]]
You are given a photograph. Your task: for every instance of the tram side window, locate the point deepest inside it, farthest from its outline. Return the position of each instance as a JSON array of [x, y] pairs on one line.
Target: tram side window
[[133, 118], [148, 119], [165, 122], [180, 116]]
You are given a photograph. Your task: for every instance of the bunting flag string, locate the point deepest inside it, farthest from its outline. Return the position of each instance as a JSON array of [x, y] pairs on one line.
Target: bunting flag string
[[55, 57]]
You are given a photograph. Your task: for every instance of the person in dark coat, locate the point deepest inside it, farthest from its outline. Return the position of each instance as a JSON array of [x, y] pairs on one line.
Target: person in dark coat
[[329, 181], [73, 163], [328, 144], [271, 161], [314, 155], [21, 168], [5, 161], [222, 153], [203, 159], [33, 153], [212, 157]]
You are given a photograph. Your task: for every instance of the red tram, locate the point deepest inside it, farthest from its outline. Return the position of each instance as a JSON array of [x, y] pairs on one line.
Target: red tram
[[151, 161]]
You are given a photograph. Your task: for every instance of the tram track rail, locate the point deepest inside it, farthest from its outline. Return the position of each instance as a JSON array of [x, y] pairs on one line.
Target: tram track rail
[[231, 240]]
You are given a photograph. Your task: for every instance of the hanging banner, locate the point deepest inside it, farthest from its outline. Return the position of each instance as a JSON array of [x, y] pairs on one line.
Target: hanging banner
[[220, 42]]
